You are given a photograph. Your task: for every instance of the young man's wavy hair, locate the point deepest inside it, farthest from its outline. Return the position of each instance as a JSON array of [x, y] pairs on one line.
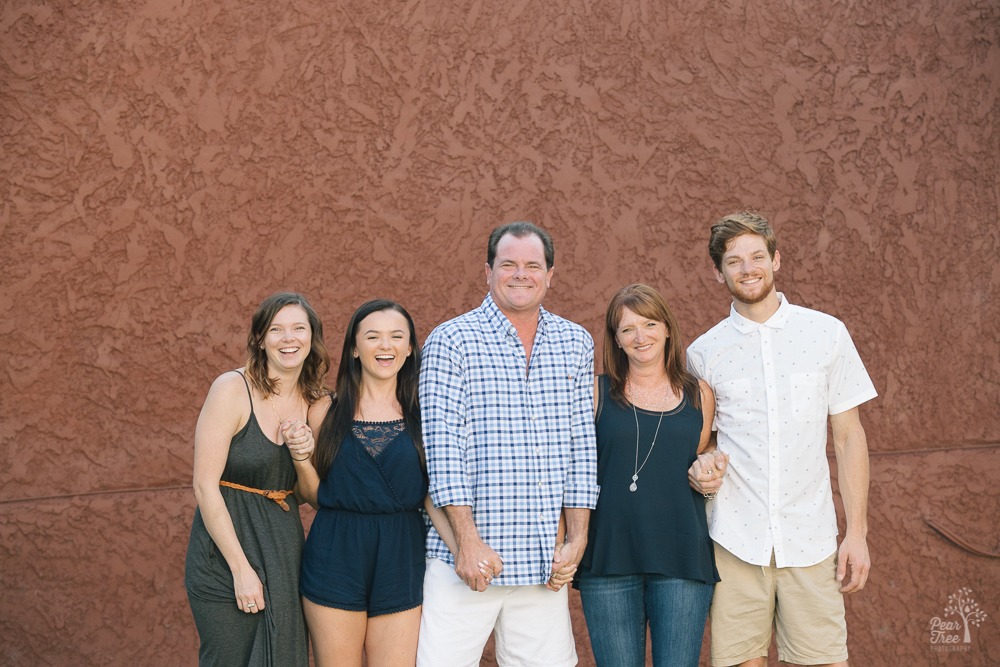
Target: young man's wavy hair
[[737, 224]]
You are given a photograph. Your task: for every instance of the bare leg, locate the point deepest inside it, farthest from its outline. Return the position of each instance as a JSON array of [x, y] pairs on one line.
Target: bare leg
[[392, 639], [338, 636]]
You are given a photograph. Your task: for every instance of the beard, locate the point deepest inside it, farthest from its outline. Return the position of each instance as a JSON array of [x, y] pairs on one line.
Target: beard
[[745, 296]]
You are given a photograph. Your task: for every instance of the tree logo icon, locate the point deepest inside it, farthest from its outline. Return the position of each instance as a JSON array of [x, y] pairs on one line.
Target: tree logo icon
[[953, 632]]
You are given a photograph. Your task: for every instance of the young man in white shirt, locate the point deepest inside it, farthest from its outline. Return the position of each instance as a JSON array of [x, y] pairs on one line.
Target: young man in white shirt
[[778, 371]]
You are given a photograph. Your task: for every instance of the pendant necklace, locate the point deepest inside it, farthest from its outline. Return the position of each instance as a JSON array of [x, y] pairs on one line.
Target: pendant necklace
[[638, 468]]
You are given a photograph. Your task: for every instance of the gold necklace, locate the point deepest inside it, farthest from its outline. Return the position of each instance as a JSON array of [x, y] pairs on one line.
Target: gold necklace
[[275, 411]]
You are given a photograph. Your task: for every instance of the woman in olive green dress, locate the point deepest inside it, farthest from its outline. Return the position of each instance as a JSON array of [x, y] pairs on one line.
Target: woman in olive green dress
[[242, 569]]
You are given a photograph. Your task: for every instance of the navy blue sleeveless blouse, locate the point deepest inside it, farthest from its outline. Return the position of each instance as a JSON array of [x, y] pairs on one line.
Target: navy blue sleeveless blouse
[[661, 528]]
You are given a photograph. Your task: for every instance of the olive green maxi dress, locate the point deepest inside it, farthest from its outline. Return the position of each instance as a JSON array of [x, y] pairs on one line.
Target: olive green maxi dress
[[272, 538]]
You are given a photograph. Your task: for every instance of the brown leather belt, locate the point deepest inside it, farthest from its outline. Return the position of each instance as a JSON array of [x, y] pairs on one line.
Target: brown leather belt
[[276, 496]]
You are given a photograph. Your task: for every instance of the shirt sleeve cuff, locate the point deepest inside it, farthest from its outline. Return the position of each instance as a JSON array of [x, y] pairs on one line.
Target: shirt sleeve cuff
[[577, 495], [853, 402], [450, 496]]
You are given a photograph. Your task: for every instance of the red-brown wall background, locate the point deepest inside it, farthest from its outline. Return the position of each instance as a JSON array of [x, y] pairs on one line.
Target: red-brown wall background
[[166, 164]]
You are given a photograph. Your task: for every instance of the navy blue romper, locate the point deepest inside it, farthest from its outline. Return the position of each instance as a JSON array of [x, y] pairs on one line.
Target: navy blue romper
[[365, 550]]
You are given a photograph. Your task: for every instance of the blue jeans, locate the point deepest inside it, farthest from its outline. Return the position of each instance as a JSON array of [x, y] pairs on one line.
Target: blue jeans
[[618, 607]]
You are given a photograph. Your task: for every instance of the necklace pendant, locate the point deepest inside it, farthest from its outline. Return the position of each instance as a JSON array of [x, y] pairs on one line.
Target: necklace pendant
[[632, 487]]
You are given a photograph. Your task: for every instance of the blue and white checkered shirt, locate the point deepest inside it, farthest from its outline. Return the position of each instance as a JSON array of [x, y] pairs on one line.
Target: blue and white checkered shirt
[[516, 446]]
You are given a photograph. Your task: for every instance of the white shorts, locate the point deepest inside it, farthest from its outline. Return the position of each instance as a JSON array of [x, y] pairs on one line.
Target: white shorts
[[531, 623]]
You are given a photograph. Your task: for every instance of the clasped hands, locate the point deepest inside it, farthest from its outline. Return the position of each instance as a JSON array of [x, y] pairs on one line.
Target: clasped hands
[[477, 565], [706, 473], [298, 437], [564, 563]]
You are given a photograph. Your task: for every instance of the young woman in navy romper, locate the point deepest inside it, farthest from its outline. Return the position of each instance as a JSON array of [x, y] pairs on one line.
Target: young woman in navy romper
[[363, 562]]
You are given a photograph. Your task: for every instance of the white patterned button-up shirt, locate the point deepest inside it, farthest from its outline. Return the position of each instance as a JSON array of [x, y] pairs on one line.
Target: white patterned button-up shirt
[[515, 443], [775, 383]]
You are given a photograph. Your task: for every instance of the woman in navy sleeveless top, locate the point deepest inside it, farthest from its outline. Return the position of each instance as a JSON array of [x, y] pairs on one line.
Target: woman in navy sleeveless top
[[649, 558], [363, 562]]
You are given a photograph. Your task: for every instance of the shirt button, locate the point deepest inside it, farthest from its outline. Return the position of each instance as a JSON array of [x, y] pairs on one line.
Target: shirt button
[[539, 485], [538, 450]]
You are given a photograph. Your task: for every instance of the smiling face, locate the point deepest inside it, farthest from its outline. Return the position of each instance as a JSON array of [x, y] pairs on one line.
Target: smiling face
[[382, 344], [519, 277], [288, 339], [643, 340], [748, 270]]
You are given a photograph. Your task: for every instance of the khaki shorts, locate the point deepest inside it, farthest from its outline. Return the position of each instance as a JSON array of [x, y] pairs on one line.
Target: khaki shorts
[[804, 604]]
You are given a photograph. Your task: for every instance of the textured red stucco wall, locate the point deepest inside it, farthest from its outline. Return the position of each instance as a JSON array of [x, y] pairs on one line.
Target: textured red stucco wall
[[166, 164]]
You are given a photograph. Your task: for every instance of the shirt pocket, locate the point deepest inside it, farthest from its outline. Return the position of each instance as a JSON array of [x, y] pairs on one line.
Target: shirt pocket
[[733, 403], [808, 394]]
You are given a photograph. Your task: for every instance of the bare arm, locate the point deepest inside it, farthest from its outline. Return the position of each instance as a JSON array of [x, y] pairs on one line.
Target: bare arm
[[706, 473], [577, 522], [707, 441], [581, 489], [570, 551], [566, 571], [443, 412], [226, 409], [441, 525], [563, 568], [307, 484], [851, 449]]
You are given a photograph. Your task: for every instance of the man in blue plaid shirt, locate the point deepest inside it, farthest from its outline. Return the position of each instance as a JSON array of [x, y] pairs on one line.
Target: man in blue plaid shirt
[[506, 394]]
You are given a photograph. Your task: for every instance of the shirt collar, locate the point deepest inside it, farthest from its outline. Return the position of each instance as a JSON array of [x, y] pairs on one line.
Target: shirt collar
[[776, 321], [499, 322]]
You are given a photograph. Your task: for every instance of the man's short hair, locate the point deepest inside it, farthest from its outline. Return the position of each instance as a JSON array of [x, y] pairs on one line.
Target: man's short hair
[[519, 230], [738, 224]]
